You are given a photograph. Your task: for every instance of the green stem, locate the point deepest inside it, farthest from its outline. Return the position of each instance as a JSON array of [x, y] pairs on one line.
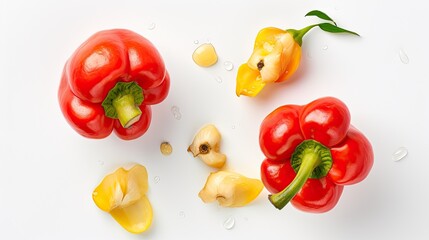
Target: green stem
[[299, 34], [128, 112], [327, 27], [309, 162], [123, 101]]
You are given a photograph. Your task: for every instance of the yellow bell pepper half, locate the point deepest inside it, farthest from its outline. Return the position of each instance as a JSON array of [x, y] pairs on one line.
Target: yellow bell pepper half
[[123, 195], [276, 56]]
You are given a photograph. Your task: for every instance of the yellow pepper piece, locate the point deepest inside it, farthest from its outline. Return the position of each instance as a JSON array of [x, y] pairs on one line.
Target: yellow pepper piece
[[123, 195], [248, 81], [230, 189], [135, 218], [276, 56]]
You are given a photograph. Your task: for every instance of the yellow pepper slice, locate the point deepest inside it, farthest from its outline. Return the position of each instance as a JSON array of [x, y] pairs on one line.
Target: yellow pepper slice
[[230, 189], [123, 195]]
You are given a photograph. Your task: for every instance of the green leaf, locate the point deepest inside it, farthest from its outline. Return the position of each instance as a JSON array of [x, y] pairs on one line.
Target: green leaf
[[327, 27], [320, 15]]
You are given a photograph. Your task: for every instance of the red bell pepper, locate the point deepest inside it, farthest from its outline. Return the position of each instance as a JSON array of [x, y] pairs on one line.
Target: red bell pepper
[[311, 152], [110, 82]]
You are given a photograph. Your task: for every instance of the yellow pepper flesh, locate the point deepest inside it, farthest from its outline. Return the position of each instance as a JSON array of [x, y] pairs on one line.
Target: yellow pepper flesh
[[123, 195], [276, 56], [230, 189], [249, 81], [135, 218]]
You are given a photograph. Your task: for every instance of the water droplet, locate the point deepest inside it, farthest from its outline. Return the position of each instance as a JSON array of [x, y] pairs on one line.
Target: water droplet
[[229, 223], [94, 193], [166, 148], [233, 126], [182, 214], [177, 115], [176, 112], [151, 26], [325, 47], [196, 42], [218, 79], [309, 56], [175, 108], [156, 179], [403, 56], [399, 154], [228, 65]]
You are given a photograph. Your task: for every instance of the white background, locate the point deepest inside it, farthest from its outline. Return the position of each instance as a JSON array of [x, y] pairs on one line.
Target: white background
[[48, 171]]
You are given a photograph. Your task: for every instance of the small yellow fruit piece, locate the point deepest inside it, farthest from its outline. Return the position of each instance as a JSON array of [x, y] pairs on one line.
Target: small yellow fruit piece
[[206, 146], [230, 189], [123, 195], [205, 55], [166, 148]]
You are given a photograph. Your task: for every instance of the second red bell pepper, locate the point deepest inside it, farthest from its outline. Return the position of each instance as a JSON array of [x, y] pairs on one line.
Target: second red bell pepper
[[109, 84], [312, 152]]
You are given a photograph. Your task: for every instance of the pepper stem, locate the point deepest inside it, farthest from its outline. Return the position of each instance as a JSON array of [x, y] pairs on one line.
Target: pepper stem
[[128, 112], [309, 162], [310, 159], [299, 34], [123, 101]]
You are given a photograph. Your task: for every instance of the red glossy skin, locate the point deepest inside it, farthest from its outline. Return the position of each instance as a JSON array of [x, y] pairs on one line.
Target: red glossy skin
[[280, 133], [276, 175], [352, 159], [106, 58], [318, 196], [326, 120]]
